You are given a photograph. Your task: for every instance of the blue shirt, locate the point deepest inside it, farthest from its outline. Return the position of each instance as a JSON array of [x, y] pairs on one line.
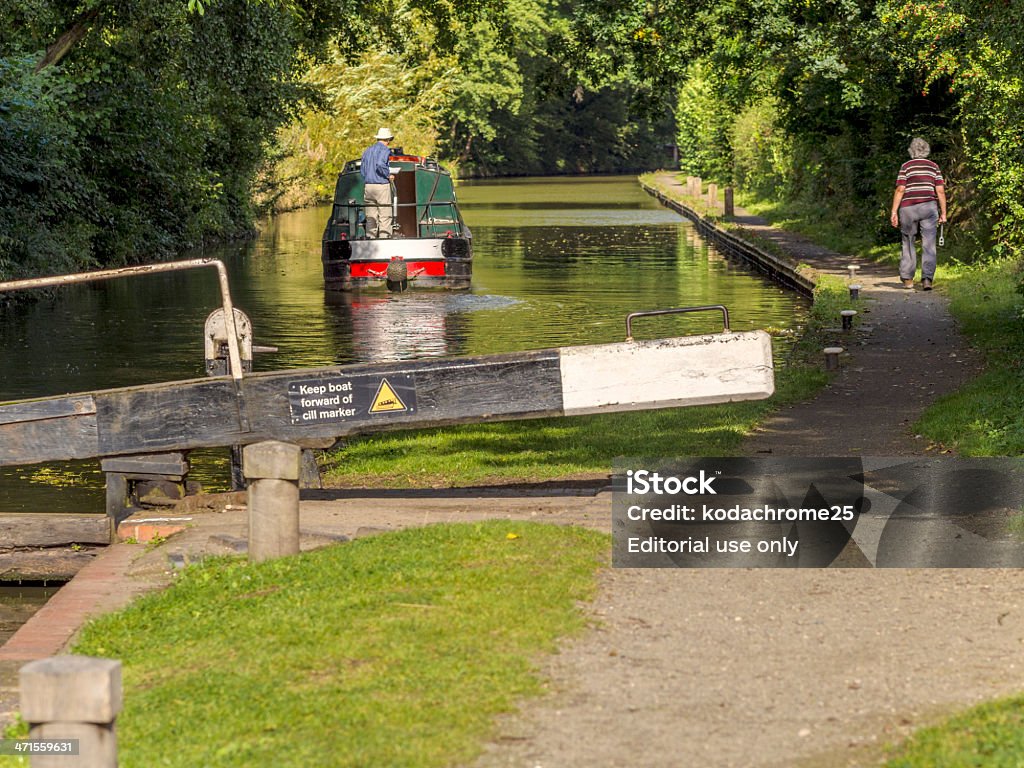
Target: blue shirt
[[374, 166]]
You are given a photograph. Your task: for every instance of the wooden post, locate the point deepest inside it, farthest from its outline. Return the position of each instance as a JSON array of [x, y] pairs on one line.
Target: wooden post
[[730, 207], [713, 195], [73, 698], [854, 292], [117, 497], [832, 358], [272, 469], [698, 186], [848, 315], [309, 471]]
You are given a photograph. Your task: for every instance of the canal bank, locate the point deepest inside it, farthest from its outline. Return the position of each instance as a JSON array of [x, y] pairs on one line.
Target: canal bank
[[217, 525]]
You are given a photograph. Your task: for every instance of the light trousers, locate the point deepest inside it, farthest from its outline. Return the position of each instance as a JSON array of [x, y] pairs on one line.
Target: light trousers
[[379, 218], [923, 216]]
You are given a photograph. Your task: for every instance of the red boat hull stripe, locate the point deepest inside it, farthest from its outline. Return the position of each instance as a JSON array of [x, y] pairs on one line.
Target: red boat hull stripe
[[379, 268]]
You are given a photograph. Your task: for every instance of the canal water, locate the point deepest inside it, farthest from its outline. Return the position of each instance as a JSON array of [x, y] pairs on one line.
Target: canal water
[[557, 261], [17, 605]]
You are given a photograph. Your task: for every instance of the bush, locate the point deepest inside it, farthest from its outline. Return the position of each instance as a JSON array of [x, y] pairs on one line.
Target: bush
[[762, 152], [44, 197]]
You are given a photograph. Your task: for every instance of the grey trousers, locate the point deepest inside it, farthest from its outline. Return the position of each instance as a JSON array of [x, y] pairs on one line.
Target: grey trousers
[[926, 217], [377, 200]]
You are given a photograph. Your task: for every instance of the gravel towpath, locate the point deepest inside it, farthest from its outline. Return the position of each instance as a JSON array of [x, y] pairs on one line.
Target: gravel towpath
[[770, 668]]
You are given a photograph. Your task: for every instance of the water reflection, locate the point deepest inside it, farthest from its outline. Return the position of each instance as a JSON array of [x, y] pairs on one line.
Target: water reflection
[[557, 262], [406, 326]]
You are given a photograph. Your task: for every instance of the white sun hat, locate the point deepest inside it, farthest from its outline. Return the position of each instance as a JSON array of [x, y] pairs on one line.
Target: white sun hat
[[385, 133]]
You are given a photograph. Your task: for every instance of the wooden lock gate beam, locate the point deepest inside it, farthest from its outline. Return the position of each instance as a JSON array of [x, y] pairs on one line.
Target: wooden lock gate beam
[[309, 405]]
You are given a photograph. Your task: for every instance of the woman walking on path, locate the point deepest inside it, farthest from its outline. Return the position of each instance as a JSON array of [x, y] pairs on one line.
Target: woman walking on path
[[919, 186]]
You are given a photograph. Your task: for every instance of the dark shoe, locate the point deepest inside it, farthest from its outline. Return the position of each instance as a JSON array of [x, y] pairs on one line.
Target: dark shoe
[[927, 284], [908, 284]]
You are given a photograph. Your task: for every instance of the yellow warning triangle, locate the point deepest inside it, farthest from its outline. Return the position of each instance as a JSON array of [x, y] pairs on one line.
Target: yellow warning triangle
[[386, 399]]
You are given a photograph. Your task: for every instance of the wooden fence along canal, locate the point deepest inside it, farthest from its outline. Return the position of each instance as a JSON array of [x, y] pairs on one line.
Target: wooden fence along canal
[[144, 432]]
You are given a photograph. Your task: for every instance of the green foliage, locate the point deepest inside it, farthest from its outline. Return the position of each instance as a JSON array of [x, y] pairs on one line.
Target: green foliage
[[498, 96], [525, 108], [145, 137], [45, 196], [848, 82], [761, 150], [132, 130], [984, 418], [394, 650], [989, 735], [704, 123], [356, 99], [488, 87]]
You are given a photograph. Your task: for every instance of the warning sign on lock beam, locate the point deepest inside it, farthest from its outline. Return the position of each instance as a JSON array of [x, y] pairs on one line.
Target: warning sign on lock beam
[[327, 400], [387, 399]]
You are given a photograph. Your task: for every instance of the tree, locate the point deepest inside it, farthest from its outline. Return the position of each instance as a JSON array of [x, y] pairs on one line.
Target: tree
[[135, 128]]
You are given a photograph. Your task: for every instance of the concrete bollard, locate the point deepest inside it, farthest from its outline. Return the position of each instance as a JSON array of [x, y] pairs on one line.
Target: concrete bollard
[[832, 358], [272, 469], [848, 315], [698, 186], [854, 292], [852, 269], [713, 195], [73, 698], [730, 206]]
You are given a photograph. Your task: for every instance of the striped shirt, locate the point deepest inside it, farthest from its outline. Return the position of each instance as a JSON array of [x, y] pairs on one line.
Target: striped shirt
[[919, 178]]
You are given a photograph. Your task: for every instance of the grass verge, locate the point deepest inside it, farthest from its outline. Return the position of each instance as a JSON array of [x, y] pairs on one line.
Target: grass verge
[[989, 735], [395, 650], [985, 418], [820, 226], [545, 449]]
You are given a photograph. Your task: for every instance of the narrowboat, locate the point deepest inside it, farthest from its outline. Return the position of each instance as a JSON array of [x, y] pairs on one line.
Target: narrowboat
[[430, 247]]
